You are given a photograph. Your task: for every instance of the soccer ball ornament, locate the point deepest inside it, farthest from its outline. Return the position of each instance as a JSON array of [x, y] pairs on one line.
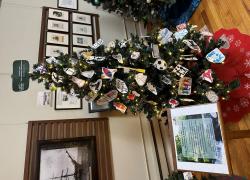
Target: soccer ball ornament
[[160, 64]]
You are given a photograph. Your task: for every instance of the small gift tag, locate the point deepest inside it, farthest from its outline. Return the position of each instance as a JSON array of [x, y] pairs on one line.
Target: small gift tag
[[96, 86], [135, 55], [180, 70], [97, 44], [56, 78], [91, 96], [215, 56], [180, 34], [152, 88], [189, 57], [108, 73], [69, 71], [51, 60], [121, 86], [155, 51], [108, 97], [207, 76], [136, 93], [185, 86], [181, 26], [111, 44], [192, 45], [173, 103], [166, 80], [119, 106], [88, 74], [165, 36], [140, 79], [160, 64], [80, 82], [118, 57], [131, 96], [212, 96]]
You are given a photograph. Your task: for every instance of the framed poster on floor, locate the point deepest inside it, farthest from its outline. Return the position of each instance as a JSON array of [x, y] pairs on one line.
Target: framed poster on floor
[[198, 141]]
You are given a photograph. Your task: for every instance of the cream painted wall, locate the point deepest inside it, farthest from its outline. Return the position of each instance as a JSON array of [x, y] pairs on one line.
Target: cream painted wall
[[20, 22]]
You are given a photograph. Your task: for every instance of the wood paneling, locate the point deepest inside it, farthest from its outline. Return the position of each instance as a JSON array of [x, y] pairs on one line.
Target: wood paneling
[[228, 14], [59, 129]]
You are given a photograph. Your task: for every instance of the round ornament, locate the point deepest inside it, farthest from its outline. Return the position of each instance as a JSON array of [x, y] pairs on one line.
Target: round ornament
[[135, 55], [160, 64]]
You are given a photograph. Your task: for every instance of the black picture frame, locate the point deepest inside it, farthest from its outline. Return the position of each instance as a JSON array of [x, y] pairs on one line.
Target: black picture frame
[[67, 7], [94, 108], [89, 166], [65, 108]]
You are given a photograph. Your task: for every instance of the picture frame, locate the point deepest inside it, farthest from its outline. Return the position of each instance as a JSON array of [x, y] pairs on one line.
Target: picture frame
[[58, 14], [79, 40], [81, 18], [55, 25], [67, 158], [57, 38], [82, 29], [64, 101], [68, 4], [93, 107], [54, 51], [198, 142]]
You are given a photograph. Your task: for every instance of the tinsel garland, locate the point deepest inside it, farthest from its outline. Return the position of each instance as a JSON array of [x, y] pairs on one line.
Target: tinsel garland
[[163, 70]]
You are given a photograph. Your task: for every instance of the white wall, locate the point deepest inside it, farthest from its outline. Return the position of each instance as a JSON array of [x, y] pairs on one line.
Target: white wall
[[20, 22]]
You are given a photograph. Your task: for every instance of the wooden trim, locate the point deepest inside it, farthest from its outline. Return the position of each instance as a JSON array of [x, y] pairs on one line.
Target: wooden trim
[[238, 134], [206, 20], [42, 38], [71, 128]]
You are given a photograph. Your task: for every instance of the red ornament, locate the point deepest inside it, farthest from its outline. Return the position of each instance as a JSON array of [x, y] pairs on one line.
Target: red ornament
[[131, 96], [173, 103], [207, 76]]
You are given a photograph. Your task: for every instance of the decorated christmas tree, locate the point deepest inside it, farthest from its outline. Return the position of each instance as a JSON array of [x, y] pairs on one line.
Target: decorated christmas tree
[[163, 70]]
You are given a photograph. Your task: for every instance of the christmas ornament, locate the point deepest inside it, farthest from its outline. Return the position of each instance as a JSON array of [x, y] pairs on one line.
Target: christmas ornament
[[97, 44], [88, 74], [132, 69], [96, 86], [166, 80], [180, 34], [108, 73], [120, 106], [173, 103], [88, 55], [186, 100], [206, 33], [156, 51], [51, 60], [108, 97], [165, 36], [140, 79], [96, 2], [121, 86], [91, 96], [131, 96], [135, 55], [192, 45], [56, 78], [118, 57], [181, 26], [152, 88], [207, 76], [226, 44], [70, 71], [212, 96], [189, 57], [185, 86], [136, 93], [111, 44], [215, 56], [180, 70], [79, 82], [160, 64], [41, 69]]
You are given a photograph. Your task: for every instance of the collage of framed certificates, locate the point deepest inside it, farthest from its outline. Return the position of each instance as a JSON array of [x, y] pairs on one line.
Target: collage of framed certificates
[[66, 31]]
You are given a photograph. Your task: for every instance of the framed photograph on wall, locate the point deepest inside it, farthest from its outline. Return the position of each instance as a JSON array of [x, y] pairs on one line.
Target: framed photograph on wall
[[68, 4], [52, 50], [58, 14], [58, 25], [198, 140], [64, 101], [81, 18], [82, 40], [74, 158], [82, 29], [93, 107], [57, 38]]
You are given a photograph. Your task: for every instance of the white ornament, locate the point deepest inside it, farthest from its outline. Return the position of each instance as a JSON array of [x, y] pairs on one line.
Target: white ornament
[[212, 96], [165, 36], [96, 86], [88, 74], [160, 64], [141, 79], [121, 86], [135, 55], [111, 44], [56, 78], [70, 71], [80, 82], [180, 70], [180, 34], [118, 57], [97, 44], [152, 88], [51, 60], [106, 98]]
